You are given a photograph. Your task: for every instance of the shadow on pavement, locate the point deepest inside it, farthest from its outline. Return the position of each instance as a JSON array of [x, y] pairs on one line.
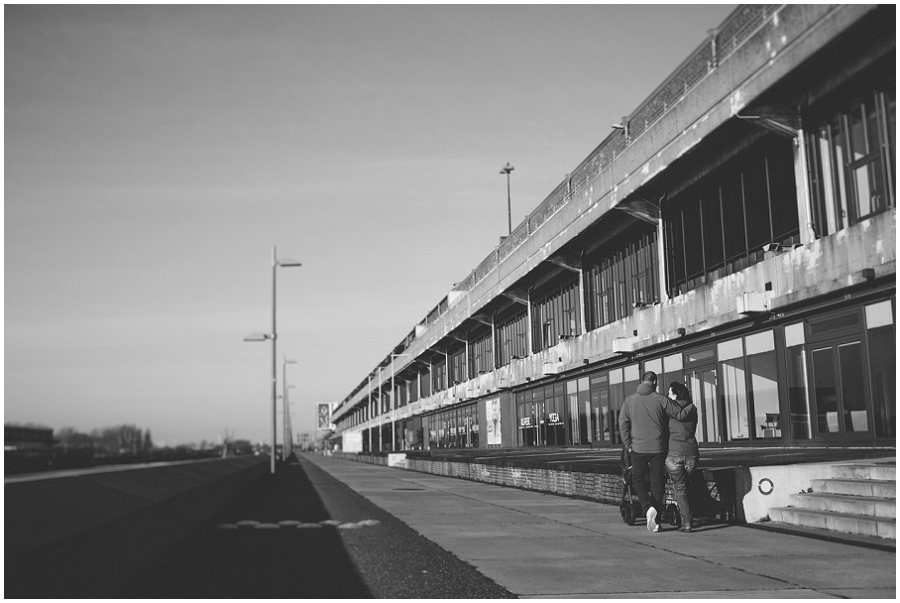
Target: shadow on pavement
[[222, 560]]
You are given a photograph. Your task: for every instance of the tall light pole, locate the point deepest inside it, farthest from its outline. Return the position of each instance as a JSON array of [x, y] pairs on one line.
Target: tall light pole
[[285, 449], [393, 401], [506, 170], [285, 263]]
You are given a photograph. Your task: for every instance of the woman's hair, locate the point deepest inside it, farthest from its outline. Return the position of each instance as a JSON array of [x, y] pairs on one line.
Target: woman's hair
[[681, 392]]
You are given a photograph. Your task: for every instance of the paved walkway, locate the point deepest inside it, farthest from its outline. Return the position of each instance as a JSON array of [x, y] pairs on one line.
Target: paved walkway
[[545, 546]]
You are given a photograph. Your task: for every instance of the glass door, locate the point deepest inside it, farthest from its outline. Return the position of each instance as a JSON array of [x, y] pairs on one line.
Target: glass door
[[840, 388], [702, 383]]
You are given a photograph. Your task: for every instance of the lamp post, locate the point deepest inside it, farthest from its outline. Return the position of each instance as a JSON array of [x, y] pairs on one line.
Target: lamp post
[[286, 263], [506, 170], [393, 400], [285, 450]]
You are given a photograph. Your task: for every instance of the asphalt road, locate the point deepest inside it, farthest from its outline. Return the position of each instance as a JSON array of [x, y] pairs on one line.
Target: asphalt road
[[366, 553]]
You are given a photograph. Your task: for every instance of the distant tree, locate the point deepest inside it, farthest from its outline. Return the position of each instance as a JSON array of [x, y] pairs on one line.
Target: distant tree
[[147, 446], [227, 441], [71, 438]]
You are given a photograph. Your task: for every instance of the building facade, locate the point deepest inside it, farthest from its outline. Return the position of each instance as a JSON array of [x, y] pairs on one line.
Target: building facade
[[737, 235]]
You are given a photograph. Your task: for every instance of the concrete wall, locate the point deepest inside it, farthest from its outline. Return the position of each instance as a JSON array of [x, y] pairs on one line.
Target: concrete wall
[[712, 497], [87, 535]]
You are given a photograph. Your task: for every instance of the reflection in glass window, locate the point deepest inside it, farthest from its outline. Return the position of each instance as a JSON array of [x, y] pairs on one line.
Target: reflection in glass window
[[853, 391], [882, 360], [763, 370], [734, 390], [825, 390], [798, 394]]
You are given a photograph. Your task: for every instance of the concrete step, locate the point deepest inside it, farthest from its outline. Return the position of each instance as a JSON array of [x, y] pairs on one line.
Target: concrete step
[[866, 470], [837, 522], [842, 503], [856, 487]]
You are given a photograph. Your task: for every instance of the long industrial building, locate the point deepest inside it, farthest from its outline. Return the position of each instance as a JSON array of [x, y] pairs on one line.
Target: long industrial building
[[736, 233]]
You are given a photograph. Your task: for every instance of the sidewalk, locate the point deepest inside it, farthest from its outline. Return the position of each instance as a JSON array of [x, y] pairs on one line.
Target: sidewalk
[[545, 546]]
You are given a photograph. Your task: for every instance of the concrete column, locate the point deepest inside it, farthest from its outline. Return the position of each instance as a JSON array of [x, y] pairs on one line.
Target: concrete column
[[661, 258], [804, 195]]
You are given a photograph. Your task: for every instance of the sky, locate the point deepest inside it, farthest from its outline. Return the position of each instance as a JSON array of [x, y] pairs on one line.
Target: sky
[[154, 155]]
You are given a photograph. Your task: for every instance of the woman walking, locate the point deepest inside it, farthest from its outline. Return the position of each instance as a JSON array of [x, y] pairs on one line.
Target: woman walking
[[683, 452]]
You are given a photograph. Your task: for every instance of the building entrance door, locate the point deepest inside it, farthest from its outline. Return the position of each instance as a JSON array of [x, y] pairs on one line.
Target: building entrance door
[[840, 388], [702, 383]]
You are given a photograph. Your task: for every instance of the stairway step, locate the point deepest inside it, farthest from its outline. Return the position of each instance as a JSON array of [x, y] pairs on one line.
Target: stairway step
[[856, 487], [863, 470], [843, 503], [837, 522]]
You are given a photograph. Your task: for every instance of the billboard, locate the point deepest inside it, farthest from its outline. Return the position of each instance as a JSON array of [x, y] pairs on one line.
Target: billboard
[[323, 416]]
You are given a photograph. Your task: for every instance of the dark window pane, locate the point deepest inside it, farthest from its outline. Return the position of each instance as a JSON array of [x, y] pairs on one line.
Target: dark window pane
[[693, 237], [756, 199], [783, 191], [825, 390], [882, 358], [833, 324], [733, 217], [712, 228], [798, 394], [853, 391]]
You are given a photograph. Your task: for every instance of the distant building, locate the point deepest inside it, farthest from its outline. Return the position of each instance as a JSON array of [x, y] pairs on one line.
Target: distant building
[[736, 232], [16, 437]]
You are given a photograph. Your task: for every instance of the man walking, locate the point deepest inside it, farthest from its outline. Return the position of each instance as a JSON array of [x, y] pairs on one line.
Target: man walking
[[644, 426]]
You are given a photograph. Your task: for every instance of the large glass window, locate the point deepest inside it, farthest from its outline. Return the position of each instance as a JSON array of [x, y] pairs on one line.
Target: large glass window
[[482, 355], [798, 393], [599, 385], [734, 390], [621, 275], [882, 360], [512, 339], [719, 224], [616, 399], [762, 367], [851, 162], [556, 316]]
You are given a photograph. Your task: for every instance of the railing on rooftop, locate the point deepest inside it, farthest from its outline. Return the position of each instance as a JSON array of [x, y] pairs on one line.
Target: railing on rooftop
[[721, 43]]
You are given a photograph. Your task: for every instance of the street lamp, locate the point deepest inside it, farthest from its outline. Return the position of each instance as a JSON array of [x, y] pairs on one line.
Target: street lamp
[[286, 447], [506, 170], [393, 400], [285, 263]]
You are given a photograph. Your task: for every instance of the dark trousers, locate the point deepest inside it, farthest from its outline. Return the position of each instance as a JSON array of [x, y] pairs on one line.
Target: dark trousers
[[649, 469]]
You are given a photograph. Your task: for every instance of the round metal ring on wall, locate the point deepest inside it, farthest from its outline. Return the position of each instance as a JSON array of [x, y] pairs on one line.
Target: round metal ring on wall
[[769, 485]]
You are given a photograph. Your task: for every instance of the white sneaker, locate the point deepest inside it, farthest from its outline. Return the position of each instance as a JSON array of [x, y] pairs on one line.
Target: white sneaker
[[652, 526]]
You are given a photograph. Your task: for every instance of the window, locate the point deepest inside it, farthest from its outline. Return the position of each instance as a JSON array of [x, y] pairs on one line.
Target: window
[[438, 376], [482, 360], [798, 393], [599, 392], [718, 225], [734, 390], [615, 281], [556, 316], [458, 370], [512, 342], [762, 368], [882, 355], [616, 400], [851, 162]]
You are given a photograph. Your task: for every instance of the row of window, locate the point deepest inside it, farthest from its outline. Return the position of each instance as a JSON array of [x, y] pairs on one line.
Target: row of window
[[832, 375], [714, 227]]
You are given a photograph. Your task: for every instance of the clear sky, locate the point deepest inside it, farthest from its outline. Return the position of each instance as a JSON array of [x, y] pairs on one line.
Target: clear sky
[[155, 154]]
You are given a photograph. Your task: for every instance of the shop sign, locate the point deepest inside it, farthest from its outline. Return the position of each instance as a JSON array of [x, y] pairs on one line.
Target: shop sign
[[525, 422]]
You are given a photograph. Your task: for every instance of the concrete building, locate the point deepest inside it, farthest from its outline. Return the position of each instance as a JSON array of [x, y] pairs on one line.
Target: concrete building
[[736, 234]]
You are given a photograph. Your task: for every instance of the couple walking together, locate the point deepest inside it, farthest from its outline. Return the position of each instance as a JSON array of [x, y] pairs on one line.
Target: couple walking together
[[658, 432]]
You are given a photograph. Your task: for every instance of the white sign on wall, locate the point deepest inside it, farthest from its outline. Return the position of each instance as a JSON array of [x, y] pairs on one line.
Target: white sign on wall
[[494, 437]]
